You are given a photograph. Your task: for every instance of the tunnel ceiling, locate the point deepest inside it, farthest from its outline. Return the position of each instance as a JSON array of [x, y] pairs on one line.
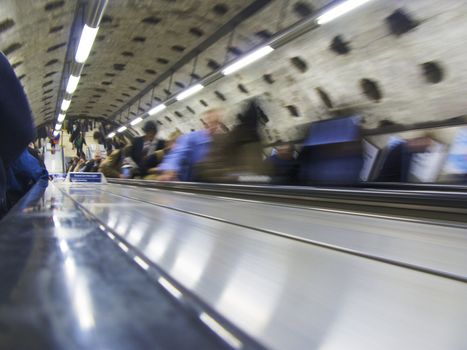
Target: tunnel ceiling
[[137, 41], [389, 61], [34, 36]]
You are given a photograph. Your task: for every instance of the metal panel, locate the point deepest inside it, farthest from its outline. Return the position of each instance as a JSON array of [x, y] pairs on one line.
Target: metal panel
[[288, 294], [66, 285]]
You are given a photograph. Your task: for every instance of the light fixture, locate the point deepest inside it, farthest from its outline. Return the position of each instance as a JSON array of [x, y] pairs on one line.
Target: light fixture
[[61, 117], [136, 121], [339, 10], [58, 127], [65, 104], [248, 59], [188, 92], [56, 133], [72, 84], [85, 43], [157, 109], [121, 129], [112, 134]]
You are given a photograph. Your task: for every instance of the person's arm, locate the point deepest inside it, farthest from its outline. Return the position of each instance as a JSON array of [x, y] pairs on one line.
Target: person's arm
[[172, 162], [16, 124]]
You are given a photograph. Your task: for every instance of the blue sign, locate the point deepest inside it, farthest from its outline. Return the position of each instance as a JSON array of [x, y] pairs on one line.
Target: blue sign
[[86, 177]]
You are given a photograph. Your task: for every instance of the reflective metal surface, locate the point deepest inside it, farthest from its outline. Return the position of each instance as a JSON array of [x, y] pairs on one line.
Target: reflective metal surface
[[66, 285], [289, 294]]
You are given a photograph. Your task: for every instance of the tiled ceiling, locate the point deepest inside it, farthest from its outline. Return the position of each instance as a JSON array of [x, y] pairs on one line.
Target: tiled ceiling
[[34, 35], [136, 42]]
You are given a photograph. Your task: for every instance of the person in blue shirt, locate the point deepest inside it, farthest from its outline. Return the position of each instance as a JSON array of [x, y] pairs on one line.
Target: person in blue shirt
[[190, 149]]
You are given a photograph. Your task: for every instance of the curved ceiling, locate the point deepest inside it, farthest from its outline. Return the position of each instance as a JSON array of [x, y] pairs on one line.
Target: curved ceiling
[[398, 61]]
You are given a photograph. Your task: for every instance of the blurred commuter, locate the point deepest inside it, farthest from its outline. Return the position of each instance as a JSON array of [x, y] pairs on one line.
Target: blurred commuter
[[75, 131], [190, 149], [154, 173], [111, 165], [79, 143], [99, 148], [283, 164], [36, 154], [54, 141], [143, 148], [16, 125], [23, 173], [237, 154]]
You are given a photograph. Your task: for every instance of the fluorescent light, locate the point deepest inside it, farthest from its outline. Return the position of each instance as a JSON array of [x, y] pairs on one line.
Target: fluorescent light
[[339, 10], [61, 117], [65, 104], [58, 127], [157, 109], [188, 92], [72, 84], [136, 121], [85, 43], [250, 58], [121, 129], [56, 133], [112, 134]]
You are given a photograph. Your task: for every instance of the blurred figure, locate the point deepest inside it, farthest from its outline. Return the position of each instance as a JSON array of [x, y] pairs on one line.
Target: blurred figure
[[16, 125], [23, 173], [153, 173], [235, 155], [283, 164], [54, 141], [75, 131], [190, 149], [111, 165], [99, 148], [36, 154], [143, 148], [79, 142]]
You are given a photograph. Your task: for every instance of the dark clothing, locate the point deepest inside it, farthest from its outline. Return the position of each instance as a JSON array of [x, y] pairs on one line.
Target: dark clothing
[[284, 171], [36, 154], [79, 143], [145, 161], [16, 125], [23, 173]]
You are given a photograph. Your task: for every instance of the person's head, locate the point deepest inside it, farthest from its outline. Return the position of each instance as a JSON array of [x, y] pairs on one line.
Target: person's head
[[212, 120], [150, 130], [97, 136], [285, 151]]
